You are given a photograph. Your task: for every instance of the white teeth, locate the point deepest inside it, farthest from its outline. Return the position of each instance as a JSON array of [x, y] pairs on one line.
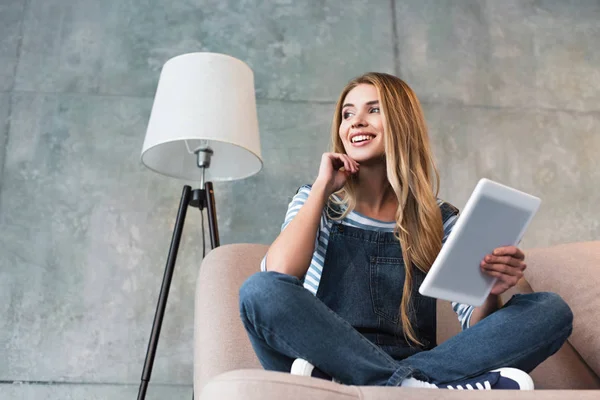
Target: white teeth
[[361, 138]]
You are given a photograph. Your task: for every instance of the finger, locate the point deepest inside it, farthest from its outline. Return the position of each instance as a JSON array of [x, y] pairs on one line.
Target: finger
[[520, 254], [509, 251], [503, 269], [352, 167], [508, 260], [333, 158], [500, 267], [347, 166], [510, 280], [504, 250], [339, 161]]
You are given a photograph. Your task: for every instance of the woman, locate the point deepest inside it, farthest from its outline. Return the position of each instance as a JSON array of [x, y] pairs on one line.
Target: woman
[[339, 286]]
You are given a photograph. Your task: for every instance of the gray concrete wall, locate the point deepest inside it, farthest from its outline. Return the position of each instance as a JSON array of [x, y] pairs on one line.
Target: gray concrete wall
[[510, 91]]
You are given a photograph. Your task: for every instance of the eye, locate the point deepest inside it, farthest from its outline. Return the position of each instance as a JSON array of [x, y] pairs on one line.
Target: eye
[[346, 114], [375, 109]]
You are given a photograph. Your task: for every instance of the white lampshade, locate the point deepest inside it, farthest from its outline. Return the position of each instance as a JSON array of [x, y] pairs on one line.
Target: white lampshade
[[204, 99]]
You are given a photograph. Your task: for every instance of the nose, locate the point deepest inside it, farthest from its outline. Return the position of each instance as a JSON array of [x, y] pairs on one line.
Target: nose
[[358, 120]]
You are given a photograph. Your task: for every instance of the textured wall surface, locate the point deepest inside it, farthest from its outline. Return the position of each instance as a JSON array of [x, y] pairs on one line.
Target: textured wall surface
[[510, 91]]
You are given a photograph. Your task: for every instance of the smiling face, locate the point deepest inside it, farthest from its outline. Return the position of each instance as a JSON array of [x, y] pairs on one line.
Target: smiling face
[[361, 128]]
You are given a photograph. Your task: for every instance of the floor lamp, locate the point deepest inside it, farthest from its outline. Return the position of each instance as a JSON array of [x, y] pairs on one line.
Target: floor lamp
[[203, 127]]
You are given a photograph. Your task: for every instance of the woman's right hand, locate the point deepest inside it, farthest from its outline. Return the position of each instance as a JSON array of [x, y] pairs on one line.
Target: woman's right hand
[[330, 173]]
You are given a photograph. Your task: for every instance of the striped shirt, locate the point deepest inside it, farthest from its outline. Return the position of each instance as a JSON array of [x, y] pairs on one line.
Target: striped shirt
[[313, 275]]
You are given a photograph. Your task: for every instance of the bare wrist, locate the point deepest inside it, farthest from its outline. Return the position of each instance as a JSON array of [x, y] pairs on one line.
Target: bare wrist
[[321, 188], [491, 304]]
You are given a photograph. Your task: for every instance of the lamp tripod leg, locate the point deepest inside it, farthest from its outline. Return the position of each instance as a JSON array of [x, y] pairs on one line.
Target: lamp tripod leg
[[212, 215], [164, 292]]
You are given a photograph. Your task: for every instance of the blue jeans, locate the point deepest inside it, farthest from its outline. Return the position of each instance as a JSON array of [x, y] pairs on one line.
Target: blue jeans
[[285, 321]]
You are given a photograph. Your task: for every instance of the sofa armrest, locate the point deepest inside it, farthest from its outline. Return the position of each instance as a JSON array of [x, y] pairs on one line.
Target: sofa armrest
[[573, 271], [220, 341]]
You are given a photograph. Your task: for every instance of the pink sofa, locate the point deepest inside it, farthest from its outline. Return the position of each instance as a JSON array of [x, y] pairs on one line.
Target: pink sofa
[[225, 366]]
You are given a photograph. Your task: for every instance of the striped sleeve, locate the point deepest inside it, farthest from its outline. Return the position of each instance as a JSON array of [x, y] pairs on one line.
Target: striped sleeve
[[463, 311], [297, 202]]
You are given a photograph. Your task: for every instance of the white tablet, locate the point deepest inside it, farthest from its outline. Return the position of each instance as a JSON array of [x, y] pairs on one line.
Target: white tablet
[[494, 216]]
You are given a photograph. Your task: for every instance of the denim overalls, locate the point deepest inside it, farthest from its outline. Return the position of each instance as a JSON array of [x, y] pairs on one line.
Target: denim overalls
[[351, 330], [363, 281]]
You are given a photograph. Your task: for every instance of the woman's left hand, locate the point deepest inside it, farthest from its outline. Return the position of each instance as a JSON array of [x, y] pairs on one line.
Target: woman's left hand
[[507, 264]]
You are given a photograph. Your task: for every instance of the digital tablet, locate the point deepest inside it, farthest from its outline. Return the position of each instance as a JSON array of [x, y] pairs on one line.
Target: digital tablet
[[495, 216]]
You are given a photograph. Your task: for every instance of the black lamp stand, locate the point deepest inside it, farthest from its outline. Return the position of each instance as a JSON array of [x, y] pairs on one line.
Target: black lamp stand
[[199, 198]]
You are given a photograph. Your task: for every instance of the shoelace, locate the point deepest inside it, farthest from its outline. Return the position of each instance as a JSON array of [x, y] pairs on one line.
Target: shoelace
[[486, 386]]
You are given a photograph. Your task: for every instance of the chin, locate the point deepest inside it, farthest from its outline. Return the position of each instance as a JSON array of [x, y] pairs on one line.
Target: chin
[[364, 157]]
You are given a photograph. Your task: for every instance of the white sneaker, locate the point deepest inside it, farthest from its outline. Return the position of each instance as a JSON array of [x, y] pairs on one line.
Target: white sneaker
[[304, 368], [301, 367]]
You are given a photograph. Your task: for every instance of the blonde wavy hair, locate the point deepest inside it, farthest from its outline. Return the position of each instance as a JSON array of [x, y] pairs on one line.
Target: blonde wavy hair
[[412, 176]]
